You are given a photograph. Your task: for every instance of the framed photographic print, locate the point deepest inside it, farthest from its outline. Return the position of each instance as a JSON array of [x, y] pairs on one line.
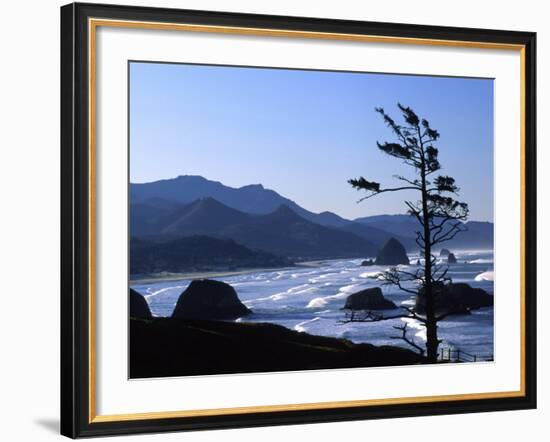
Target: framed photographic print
[[274, 220]]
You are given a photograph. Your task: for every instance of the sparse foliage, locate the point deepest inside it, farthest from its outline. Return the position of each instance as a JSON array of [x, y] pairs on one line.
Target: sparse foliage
[[438, 212]]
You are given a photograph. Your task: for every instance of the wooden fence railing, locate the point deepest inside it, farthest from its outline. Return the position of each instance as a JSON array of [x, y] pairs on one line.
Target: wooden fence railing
[[449, 354]]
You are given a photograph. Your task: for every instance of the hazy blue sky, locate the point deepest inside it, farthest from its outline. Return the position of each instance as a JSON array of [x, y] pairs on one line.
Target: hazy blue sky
[[305, 133]]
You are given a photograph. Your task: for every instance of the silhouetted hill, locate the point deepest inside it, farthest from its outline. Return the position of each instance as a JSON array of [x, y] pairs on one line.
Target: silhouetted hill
[[172, 197], [281, 232], [206, 216], [327, 219], [187, 188], [146, 219], [254, 198], [164, 207], [161, 347], [196, 253]]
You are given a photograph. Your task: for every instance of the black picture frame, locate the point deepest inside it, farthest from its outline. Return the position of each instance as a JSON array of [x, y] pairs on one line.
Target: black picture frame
[[75, 220]]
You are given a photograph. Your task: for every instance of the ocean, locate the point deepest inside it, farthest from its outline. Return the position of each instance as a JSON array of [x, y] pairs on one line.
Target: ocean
[[310, 298]]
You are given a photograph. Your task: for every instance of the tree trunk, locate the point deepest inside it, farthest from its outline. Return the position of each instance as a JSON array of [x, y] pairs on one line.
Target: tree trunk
[[432, 342]]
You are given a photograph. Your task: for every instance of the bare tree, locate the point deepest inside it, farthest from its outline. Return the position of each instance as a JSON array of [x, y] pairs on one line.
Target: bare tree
[[438, 213]]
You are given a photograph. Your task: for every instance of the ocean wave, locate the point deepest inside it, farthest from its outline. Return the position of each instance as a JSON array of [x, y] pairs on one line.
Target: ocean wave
[[416, 326], [371, 275], [314, 281], [344, 292], [317, 303], [348, 288], [298, 290], [321, 277], [481, 261], [486, 276], [301, 326], [311, 272], [279, 275], [151, 294], [410, 302]]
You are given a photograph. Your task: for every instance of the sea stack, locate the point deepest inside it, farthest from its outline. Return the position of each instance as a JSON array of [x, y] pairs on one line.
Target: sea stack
[[444, 252], [138, 306], [393, 253], [457, 298], [368, 299], [451, 258], [209, 299]]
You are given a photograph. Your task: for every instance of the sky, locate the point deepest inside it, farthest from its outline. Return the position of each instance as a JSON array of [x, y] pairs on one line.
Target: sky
[[305, 133]]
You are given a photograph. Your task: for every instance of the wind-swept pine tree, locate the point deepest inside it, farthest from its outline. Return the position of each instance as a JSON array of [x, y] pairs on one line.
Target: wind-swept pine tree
[[438, 213]]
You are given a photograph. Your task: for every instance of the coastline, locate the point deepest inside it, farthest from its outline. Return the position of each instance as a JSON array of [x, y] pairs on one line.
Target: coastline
[[310, 294], [217, 273]]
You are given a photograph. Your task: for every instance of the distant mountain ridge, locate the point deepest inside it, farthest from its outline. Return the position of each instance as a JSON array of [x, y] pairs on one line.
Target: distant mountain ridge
[[477, 234], [282, 232], [186, 205], [254, 198]]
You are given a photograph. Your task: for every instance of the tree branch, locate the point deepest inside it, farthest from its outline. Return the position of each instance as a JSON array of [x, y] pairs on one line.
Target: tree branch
[[404, 328], [394, 189], [372, 316]]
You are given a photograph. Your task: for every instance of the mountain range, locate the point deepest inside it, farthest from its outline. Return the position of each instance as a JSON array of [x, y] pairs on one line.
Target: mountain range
[[260, 219], [281, 232], [254, 198]]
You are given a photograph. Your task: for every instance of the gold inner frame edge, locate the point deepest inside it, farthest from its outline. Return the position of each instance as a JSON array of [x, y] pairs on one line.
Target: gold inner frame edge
[[93, 24]]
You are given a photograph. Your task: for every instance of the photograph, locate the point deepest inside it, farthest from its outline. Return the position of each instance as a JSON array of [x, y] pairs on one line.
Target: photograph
[[291, 219], [276, 219]]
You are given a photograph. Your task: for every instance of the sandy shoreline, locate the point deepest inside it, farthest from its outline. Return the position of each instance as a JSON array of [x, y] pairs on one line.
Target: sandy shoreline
[[219, 273]]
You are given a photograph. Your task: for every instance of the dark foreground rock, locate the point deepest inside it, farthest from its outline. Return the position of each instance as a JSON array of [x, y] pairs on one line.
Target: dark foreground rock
[[163, 347], [138, 306], [209, 299], [368, 299], [457, 298], [392, 253], [367, 263]]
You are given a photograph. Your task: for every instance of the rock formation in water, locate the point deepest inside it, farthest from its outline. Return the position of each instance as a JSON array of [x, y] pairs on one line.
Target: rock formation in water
[[451, 258], [367, 262], [368, 299], [392, 253], [209, 299], [444, 252], [458, 298]]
